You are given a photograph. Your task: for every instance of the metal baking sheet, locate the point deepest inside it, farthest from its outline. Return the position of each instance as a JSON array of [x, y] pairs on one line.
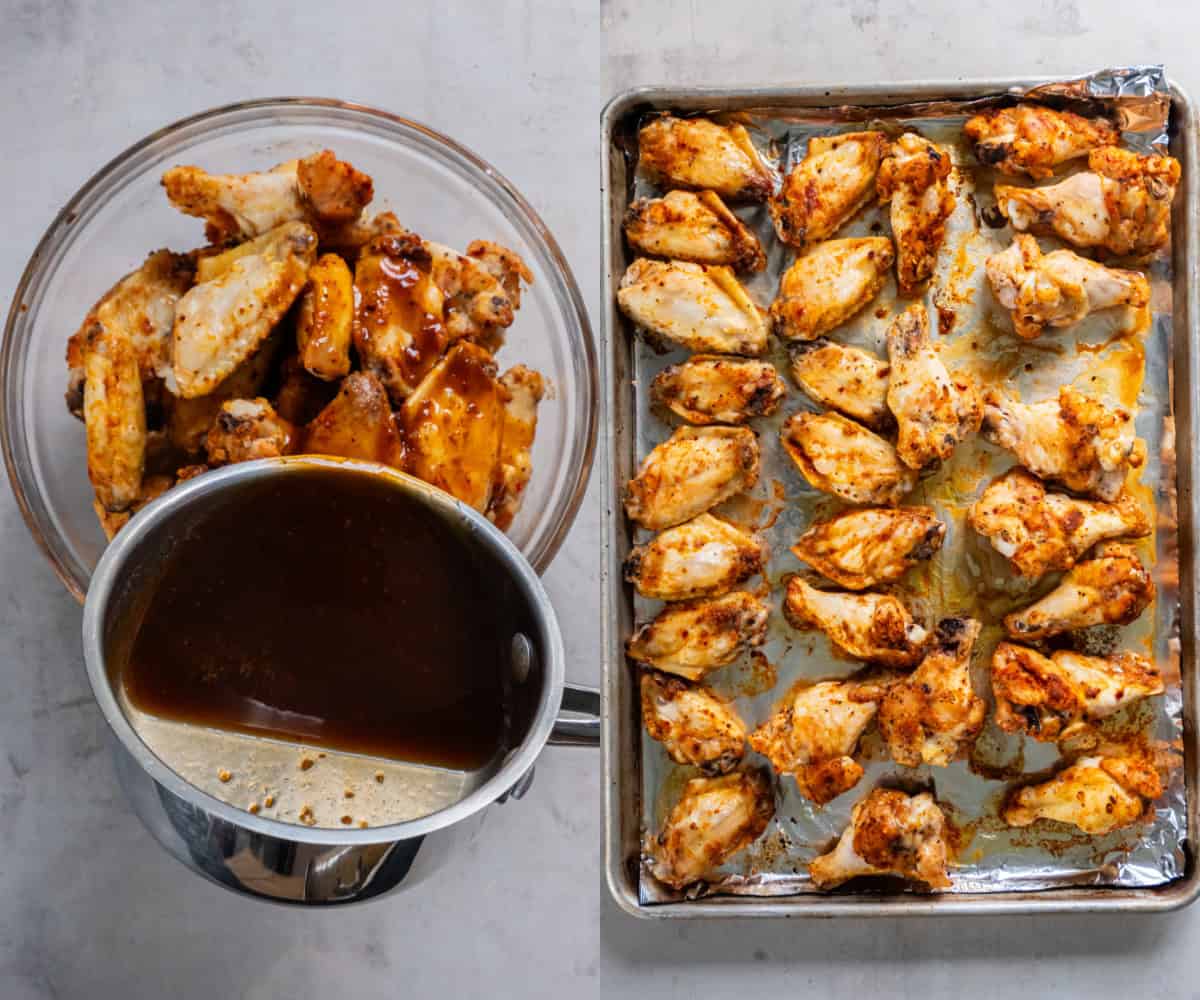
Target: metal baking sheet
[[1149, 867]]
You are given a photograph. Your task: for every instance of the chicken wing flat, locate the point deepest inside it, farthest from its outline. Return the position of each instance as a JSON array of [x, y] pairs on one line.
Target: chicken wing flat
[[933, 411], [863, 548], [713, 389], [1110, 588], [915, 178], [1073, 439], [1029, 139], [700, 308], [247, 429], [693, 725], [524, 387], [830, 284], [326, 318], [1122, 204], [357, 424], [890, 833], [835, 179], [695, 469], [692, 638], [114, 412], [503, 264], [1055, 697], [847, 379], [703, 557], [873, 627], [1039, 532], [1057, 289], [699, 154], [838, 456], [698, 227]]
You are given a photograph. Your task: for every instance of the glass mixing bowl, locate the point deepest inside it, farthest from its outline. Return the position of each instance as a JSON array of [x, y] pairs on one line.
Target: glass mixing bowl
[[435, 186]]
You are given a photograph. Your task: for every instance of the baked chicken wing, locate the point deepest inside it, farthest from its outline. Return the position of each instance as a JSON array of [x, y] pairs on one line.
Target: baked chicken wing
[[862, 548], [524, 388], [692, 638], [693, 725], [700, 154], [873, 627], [847, 379], [915, 178], [1029, 139], [475, 302], [114, 412], [357, 423], [712, 389], [326, 318], [698, 227], [838, 456], [247, 429], [830, 284], [702, 557]]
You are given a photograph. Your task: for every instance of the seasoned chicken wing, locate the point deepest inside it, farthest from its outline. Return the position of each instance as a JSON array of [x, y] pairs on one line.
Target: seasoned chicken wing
[[326, 318], [702, 557], [301, 395], [700, 308], [524, 387], [696, 227], [693, 724], [1040, 532], [246, 429], [830, 284], [933, 411], [1030, 139], [933, 714], [838, 456], [847, 379], [834, 180], [1057, 289], [1110, 588], [1122, 204], [712, 389], [114, 411], [692, 638], [874, 627], [700, 154], [152, 488], [357, 424], [503, 264], [695, 469], [857, 549], [1055, 697], [915, 177], [476, 303], [890, 833], [1073, 439]]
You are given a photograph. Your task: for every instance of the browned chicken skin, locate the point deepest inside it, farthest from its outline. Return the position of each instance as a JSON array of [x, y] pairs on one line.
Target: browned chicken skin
[[873, 627], [326, 318], [248, 429], [1030, 139], [699, 154], [703, 557], [693, 725], [847, 379], [715, 389], [357, 424], [838, 456], [915, 178], [829, 285], [698, 227], [857, 549], [692, 638]]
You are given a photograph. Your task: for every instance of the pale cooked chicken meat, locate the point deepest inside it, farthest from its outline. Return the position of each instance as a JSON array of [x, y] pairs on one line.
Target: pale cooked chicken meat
[[693, 725], [114, 412], [934, 411], [873, 627], [695, 469], [357, 423], [692, 638], [693, 306], [1057, 289], [525, 388], [830, 284], [325, 319], [915, 178], [702, 557], [847, 379], [1039, 532], [248, 429], [1073, 439], [700, 154], [713, 389], [1030, 139], [838, 456], [862, 548], [835, 179], [713, 820], [699, 227], [933, 715], [890, 833], [1055, 697], [1112, 587], [1121, 204]]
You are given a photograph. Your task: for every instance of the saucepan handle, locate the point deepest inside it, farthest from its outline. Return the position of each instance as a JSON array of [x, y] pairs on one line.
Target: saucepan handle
[[578, 722]]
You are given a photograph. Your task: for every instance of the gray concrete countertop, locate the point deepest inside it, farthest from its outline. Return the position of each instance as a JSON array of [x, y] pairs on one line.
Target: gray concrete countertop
[[88, 904]]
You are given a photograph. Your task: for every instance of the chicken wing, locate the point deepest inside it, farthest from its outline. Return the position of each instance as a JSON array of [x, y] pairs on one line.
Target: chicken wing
[[695, 637], [838, 456], [1110, 588], [152, 488], [857, 549], [114, 412], [1072, 439], [246, 429], [1122, 204], [476, 304], [1029, 139], [524, 387], [326, 318], [700, 154], [301, 395], [890, 833], [830, 284], [712, 389], [357, 424], [713, 820], [700, 308], [695, 469], [1057, 289], [503, 264], [933, 411], [835, 179], [1054, 697], [1039, 532], [693, 724], [847, 379], [702, 557], [915, 178], [695, 227], [874, 627]]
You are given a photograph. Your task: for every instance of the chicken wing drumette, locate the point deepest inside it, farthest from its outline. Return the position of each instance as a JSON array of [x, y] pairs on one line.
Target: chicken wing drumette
[[697, 227], [1030, 139], [857, 549], [248, 429], [873, 627], [693, 724], [702, 557], [841, 457], [915, 178], [700, 154], [692, 638], [830, 284], [847, 379], [714, 389]]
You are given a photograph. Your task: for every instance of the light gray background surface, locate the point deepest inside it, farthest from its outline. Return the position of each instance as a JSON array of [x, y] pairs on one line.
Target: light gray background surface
[[88, 905]]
